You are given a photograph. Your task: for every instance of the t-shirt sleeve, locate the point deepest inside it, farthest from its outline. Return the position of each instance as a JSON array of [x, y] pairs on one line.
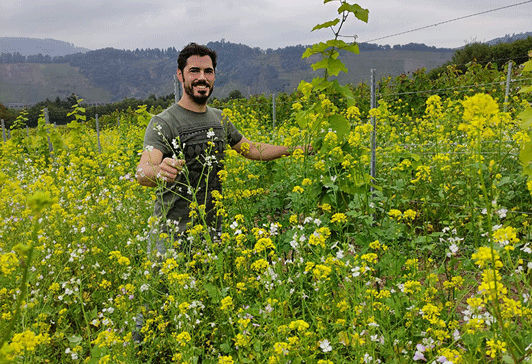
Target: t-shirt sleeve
[[233, 134], [158, 136]]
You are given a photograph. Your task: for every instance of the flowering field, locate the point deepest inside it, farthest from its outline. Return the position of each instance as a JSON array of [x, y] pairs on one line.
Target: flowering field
[[430, 262]]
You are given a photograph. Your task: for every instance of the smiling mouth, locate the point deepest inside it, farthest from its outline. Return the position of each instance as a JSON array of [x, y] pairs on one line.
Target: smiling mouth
[[202, 87]]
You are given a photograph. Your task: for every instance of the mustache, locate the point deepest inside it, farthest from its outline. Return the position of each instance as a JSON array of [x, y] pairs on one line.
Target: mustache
[[200, 83]]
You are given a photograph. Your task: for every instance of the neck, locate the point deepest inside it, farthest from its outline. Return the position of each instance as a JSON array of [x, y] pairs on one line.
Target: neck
[[191, 105]]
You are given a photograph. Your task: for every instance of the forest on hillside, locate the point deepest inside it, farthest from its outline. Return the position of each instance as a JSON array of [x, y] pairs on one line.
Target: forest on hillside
[[148, 71], [141, 72]]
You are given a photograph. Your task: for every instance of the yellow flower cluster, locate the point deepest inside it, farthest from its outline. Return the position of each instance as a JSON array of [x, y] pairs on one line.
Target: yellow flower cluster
[[407, 215], [121, 260], [507, 237], [319, 236], [260, 265], [376, 245], [8, 263], [434, 108], [223, 359], [299, 325], [263, 244], [183, 338], [485, 256], [481, 112], [26, 341], [339, 218]]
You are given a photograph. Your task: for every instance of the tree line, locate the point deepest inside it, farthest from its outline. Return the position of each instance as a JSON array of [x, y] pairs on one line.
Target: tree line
[[171, 52], [59, 108], [482, 53], [148, 53]]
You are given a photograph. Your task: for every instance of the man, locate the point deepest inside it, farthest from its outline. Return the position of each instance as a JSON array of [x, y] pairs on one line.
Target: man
[[184, 146]]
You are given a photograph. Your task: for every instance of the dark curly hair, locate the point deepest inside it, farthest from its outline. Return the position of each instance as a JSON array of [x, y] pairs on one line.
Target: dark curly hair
[[193, 49]]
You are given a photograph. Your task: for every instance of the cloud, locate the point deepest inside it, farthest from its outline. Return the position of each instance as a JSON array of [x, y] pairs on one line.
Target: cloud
[[86, 23], [261, 23]]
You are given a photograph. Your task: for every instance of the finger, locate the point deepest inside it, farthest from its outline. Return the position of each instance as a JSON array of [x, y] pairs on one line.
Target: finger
[[166, 174], [172, 162], [171, 174], [169, 166], [178, 164]]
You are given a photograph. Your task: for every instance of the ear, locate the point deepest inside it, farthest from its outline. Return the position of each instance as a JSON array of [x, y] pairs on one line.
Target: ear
[[180, 76]]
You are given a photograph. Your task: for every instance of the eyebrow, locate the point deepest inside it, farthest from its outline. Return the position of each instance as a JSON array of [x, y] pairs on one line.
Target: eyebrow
[[198, 68]]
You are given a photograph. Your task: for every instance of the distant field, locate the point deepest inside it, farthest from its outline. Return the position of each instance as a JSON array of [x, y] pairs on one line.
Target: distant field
[[29, 83], [390, 63], [386, 63], [26, 83]]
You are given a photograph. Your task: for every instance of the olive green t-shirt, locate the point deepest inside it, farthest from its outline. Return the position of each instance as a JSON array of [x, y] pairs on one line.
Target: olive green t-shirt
[[200, 139]]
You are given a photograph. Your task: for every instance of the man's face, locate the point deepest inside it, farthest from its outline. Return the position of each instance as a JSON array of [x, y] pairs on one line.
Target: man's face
[[198, 78]]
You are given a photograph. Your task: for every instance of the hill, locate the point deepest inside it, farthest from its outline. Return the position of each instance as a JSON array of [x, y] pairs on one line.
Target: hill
[[509, 38], [108, 75], [34, 46], [28, 83]]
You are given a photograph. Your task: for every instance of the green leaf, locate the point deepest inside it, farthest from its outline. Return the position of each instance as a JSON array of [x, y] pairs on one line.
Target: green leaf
[[353, 48], [340, 44], [354, 186], [301, 118], [346, 92], [321, 48], [96, 353], [526, 89], [226, 347], [526, 118], [317, 48], [507, 359], [220, 262], [359, 12], [320, 83], [333, 66], [307, 53], [74, 339], [213, 291], [328, 24], [527, 66], [526, 154], [339, 124]]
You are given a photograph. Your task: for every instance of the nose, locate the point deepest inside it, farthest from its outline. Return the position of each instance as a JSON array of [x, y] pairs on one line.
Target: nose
[[202, 75]]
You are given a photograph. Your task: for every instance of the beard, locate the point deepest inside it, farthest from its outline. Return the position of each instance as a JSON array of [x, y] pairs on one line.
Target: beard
[[203, 94]]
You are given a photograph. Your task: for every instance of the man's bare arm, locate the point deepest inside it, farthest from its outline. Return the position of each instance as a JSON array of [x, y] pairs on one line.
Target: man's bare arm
[[263, 151], [153, 169]]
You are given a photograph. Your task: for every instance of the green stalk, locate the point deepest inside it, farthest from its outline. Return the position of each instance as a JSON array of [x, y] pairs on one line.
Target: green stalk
[[22, 288], [80, 297], [490, 237]]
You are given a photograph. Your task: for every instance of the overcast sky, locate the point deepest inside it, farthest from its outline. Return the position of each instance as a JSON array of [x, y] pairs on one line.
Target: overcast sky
[[130, 24]]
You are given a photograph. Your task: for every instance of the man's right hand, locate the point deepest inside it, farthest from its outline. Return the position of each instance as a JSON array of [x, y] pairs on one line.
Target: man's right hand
[[170, 168]]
